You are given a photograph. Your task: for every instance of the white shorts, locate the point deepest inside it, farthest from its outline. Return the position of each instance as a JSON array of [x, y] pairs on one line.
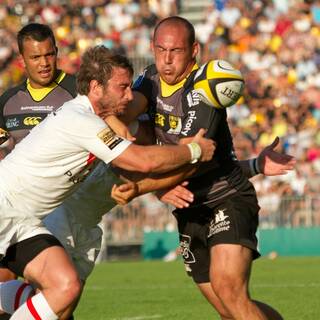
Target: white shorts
[[82, 244], [13, 230], [14, 227]]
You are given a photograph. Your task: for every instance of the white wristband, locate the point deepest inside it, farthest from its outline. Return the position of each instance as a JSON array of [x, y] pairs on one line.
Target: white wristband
[[195, 151]]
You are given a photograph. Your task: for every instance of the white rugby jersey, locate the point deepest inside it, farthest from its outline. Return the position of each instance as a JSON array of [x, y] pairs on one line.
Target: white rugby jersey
[[47, 165]]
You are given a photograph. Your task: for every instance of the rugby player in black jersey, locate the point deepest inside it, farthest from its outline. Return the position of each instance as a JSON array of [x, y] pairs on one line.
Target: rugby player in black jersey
[[44, 90], [218, 230]]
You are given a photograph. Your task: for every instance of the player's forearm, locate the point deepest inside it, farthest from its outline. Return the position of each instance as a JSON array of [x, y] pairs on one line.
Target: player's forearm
[[168, 158], [164, 181], [250, 167]]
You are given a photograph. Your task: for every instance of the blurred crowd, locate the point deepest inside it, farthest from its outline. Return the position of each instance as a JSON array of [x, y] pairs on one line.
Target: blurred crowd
[[276, 44], [124, 26]]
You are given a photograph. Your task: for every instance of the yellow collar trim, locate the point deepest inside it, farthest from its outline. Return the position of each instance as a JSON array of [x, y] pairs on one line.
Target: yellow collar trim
[[41, 93], [167, 90]]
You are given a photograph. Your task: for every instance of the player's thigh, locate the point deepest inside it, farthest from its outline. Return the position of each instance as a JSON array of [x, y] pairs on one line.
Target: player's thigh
[[230, 263], [23, 239], [234, 221], [232, 238], [50, 268]]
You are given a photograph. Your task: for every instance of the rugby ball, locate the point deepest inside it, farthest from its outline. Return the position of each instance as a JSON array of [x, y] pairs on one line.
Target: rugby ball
[[219, 84]]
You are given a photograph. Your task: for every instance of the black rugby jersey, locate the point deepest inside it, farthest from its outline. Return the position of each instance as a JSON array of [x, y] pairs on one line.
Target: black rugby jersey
[[23, 107], [178, 112]]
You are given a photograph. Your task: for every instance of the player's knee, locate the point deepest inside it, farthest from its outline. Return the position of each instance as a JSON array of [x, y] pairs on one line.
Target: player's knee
[[72, 289], [69, 287], [229, 289]]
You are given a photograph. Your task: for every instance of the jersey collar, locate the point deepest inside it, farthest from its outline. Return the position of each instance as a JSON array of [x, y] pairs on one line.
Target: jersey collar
[[167, 90], [39, 94]]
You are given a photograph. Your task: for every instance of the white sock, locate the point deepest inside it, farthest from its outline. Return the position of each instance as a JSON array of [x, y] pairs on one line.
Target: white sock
[[36, 308], [13, 294]]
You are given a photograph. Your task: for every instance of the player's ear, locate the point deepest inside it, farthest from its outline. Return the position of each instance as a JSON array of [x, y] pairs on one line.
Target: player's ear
[[95, 88], [21, 60], [195, 49], [151, 45]]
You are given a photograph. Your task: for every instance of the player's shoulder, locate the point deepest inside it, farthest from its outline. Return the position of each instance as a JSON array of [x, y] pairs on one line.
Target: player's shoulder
[[148, 73], [68, 82], [77, 107], [150, 70], [11, 93]]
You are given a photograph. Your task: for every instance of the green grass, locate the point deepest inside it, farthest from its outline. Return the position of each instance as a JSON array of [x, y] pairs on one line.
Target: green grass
[[161, 290]]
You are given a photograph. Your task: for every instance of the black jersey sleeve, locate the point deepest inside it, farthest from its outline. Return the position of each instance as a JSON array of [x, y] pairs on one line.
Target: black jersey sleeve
[[2, 123], [143, 83], [4, 135], [69, 84], [3, 101], [199, 114]]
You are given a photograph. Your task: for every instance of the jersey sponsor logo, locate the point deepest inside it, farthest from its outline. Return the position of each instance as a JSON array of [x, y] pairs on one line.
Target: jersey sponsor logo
[[109, 138], [185, 242], [78, 177], [175, 125], [12, 123], [171, 124], [32, 121], [220, 223], [164, 106], [193, 98], [38, 108], [188, 123], [173, 121], [160, 119]]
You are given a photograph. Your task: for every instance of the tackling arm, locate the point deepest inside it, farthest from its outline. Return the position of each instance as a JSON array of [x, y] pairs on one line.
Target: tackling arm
[[138, 184], [159, 159]]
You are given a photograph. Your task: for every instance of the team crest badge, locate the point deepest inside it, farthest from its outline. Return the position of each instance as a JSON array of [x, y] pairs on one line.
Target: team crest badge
[[173, 122]]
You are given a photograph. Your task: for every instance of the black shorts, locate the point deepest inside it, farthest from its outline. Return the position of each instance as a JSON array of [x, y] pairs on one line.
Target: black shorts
[[232, 221], [21, 253]]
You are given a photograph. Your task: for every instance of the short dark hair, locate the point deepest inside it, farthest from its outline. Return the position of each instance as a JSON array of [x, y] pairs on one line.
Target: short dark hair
[[97, 64], [178, 20], [35, 31]]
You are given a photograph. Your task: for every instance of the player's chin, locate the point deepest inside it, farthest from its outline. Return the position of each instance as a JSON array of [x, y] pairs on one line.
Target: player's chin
[[122, 110], [45, 82], [169, 79]]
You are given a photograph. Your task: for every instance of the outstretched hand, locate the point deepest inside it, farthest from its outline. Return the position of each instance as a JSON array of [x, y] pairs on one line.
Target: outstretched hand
[[272, 163], [124, 193]]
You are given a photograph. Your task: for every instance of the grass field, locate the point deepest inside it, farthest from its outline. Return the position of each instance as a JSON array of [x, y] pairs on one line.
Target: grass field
[[161, 290]]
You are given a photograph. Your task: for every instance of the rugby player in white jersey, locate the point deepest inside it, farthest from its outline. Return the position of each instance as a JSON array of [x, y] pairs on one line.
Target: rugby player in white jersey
[[49, 164]]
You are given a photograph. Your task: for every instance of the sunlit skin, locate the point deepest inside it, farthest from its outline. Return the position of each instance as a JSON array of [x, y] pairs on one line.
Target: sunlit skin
[[40, 62], [113, 98], [174, 56]]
